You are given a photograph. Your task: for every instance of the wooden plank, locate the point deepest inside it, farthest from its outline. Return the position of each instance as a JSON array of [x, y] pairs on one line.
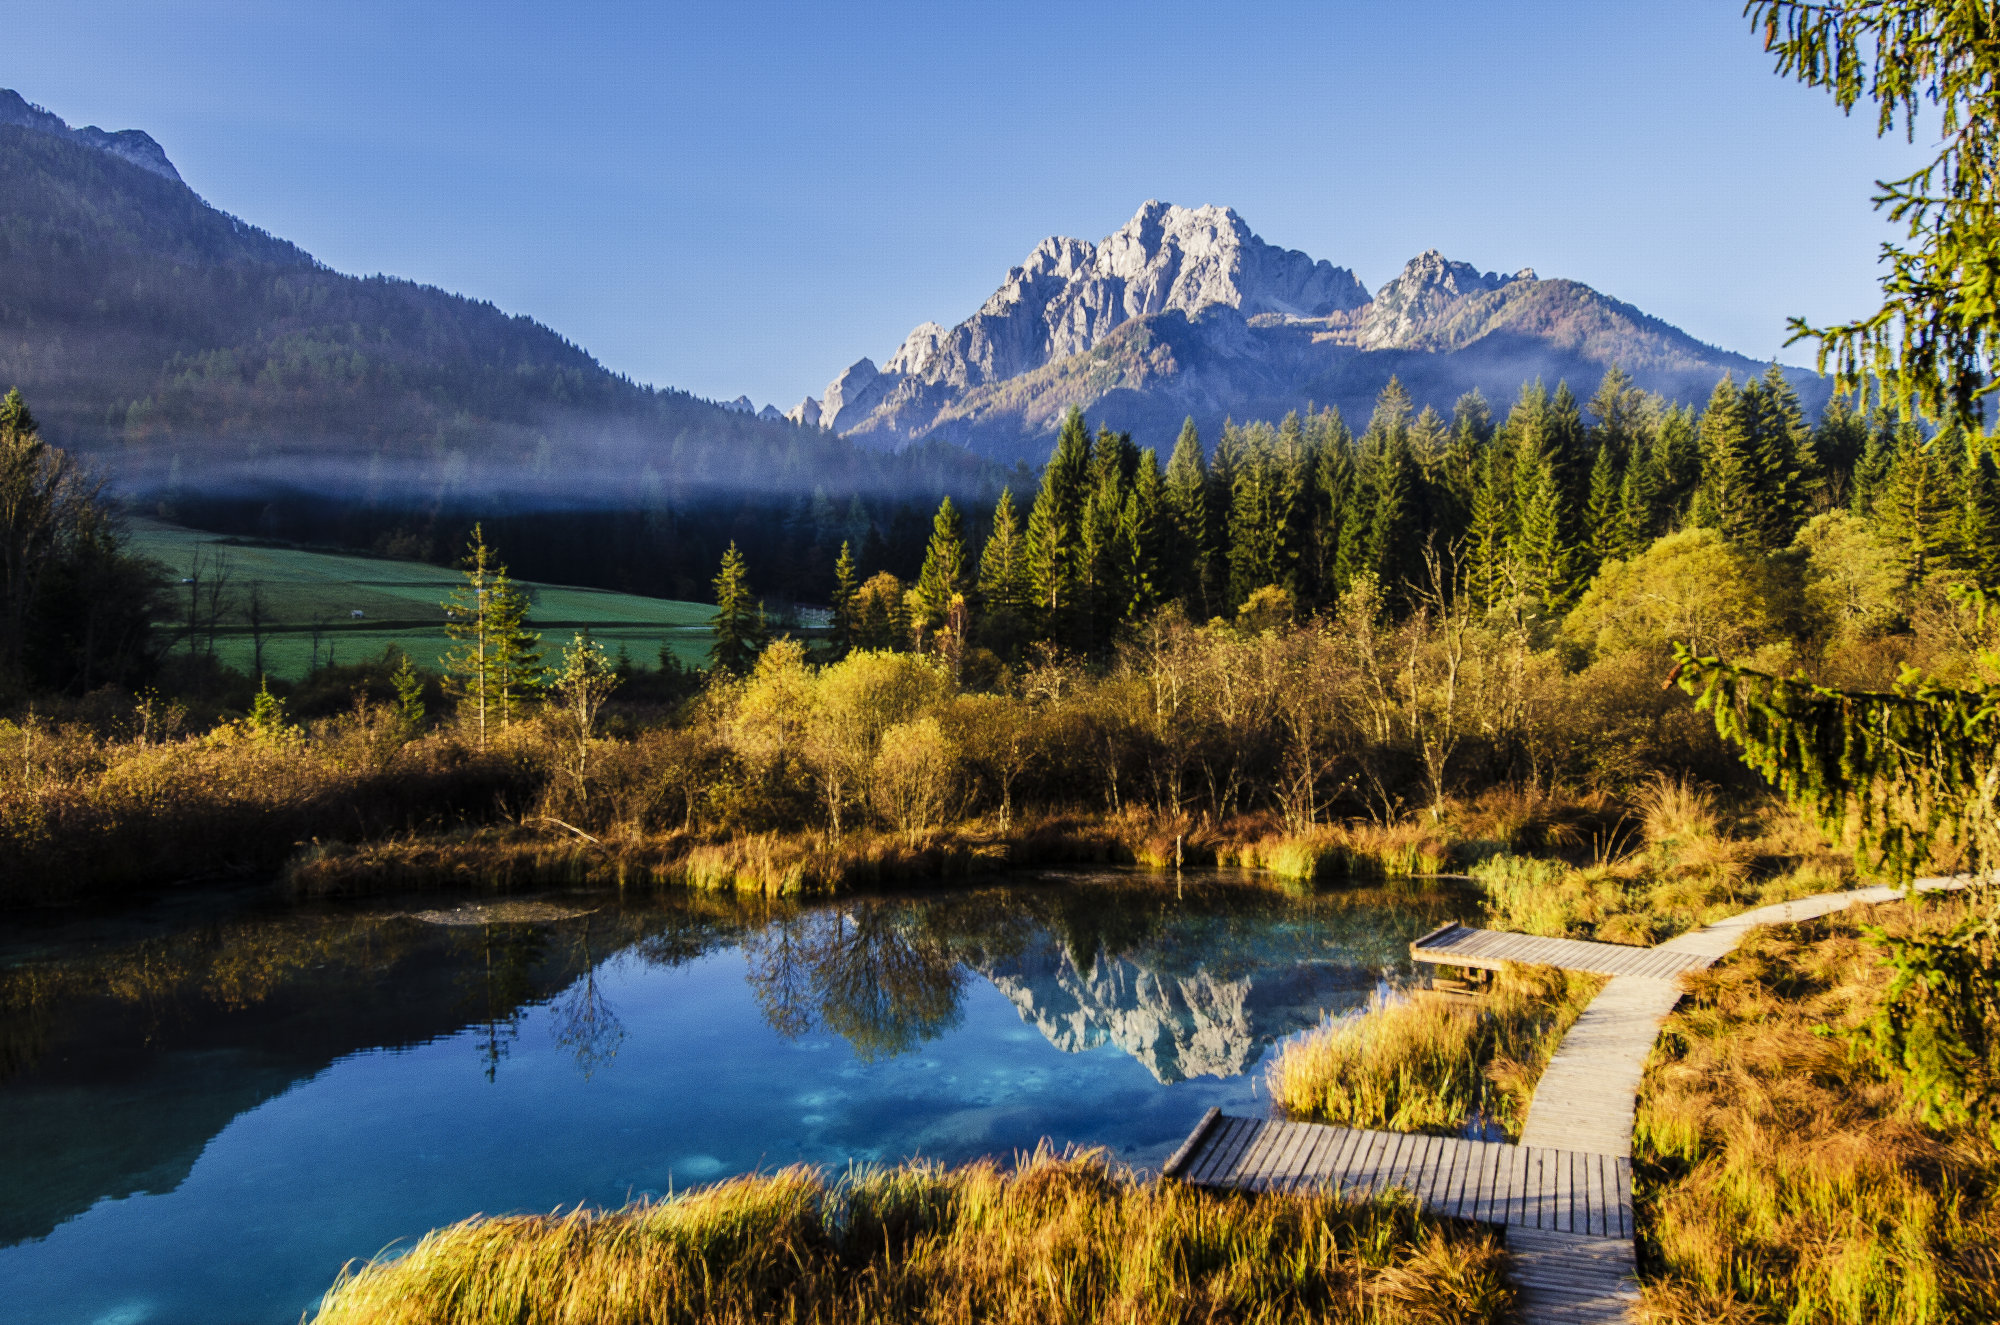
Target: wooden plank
[[1277, 1136], [1627, 1227], [1437, 1152], [1338, 1162], [1253, 1152], [1311, 1172], [1421, 1157], [1296, 1169], [1492, 1180], [1394, 1160], [1600, 1206], [1203, 1167], [1440, 1168], [1204, 1154], [1455, 1183], [1285, 1164], [1187, 1148], [1241, 1131], [1368, 1163]]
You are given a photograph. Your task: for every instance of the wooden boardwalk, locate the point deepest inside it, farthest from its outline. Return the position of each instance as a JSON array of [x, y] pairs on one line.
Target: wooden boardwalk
[[1489, 1182], [1564, 1194], [1491, 950]]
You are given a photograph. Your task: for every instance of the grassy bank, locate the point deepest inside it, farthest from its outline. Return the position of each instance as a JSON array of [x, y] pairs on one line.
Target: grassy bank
[[1780, 1177], [1426, 1063], [1058, 1240]]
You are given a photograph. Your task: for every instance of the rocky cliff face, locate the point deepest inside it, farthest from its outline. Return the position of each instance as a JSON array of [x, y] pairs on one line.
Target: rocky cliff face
[[1184, 311], [127, 144]]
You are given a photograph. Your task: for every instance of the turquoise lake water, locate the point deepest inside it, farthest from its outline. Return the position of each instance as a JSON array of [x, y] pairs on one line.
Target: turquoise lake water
[[207, 1109]]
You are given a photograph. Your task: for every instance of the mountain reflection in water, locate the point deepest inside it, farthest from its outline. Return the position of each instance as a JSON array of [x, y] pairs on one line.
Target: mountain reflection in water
[[663, 1039]]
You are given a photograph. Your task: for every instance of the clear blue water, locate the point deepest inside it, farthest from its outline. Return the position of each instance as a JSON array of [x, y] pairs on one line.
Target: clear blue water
[[205, 1113]]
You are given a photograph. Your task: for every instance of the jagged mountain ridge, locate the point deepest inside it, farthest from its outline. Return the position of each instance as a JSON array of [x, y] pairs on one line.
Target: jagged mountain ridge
[[1185, 311]]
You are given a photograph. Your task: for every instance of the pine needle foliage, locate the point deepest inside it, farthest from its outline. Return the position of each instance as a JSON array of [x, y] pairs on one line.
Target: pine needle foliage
[[1911, 773]]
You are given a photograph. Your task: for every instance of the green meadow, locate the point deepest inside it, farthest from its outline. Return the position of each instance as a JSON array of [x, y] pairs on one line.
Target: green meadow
[[309, 601]]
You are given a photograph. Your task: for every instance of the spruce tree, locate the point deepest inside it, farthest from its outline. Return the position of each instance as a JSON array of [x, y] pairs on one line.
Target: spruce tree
[[1541, 551], [943, 577], [1190, 555], [737, 626], [1334, 479], [1055, 529], [517, 650], [1142, 537], [1878, 456], [1838, 441], [1915, 515], [1003, 566], [1633, 523], [1603, 533], [1490, 533], [1727, 498], [1979, 521], [471, 671], [1676, 466], [846, 581]]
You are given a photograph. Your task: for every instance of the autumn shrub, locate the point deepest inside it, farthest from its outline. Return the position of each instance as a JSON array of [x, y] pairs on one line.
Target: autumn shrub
[[1059, 1239]]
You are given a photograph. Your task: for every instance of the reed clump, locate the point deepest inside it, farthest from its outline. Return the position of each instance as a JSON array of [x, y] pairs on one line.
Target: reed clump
[[1060, 1239], [1784, 1176], [1425, 1063], [1369, 852]]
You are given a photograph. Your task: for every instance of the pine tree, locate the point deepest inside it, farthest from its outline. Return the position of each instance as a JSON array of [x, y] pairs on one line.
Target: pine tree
[[943, 577], [1005, 597], [1222, 471], [1979, 520], [470, 666], [1878, 456], [1727, 497], [1055, 529], [1141, 537], [738, 626], [1791, 486], [1541, 548], [1602, 529], [1332, 491], [1633, 525], [1838, 441], [1490, 533], [1190, 555], [1676, 466], [1566, 442], [846, 581], [1915, 514], [517, 650]]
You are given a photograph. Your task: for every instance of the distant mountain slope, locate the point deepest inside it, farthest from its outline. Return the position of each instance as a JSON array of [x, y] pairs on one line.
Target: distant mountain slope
[[179, 343], [1186, 311]]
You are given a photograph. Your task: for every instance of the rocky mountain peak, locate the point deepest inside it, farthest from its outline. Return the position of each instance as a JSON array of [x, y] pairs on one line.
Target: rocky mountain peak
[[1428, 286], [131, 145], [1069, 294]]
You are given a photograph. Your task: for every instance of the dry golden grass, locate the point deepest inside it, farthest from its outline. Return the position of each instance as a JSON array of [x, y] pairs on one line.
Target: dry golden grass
[[1059, 1240], [1779, 1177], [1432, 1064], [1348, 851]]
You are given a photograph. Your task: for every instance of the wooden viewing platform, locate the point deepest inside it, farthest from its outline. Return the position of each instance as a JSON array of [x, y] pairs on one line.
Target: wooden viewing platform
[[1491, 1182], [1490, 950]]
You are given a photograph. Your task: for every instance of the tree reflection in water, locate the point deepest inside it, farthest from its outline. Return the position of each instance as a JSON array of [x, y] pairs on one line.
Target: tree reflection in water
[[871, 973], [581, 1019]]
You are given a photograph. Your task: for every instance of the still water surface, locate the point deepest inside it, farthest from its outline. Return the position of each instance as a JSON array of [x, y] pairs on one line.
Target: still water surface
[[205, 1111]]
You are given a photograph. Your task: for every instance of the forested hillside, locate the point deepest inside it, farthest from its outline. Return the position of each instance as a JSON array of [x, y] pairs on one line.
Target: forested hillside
[[181, 346]]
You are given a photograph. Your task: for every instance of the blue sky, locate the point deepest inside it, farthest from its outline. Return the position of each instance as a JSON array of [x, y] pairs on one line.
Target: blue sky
[[745, 197]]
